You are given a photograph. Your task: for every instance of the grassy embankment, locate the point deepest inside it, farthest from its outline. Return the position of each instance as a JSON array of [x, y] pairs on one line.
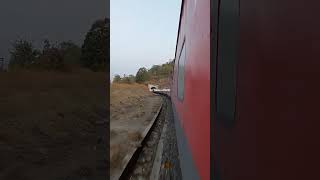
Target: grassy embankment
[[50, 118]]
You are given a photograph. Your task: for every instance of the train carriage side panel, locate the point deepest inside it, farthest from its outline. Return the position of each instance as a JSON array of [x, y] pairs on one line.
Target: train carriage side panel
[[191, 99], [275, 132]]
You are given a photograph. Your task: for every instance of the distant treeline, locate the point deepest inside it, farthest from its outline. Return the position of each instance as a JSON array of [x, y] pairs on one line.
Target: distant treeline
[[155, 73], [64, 56]]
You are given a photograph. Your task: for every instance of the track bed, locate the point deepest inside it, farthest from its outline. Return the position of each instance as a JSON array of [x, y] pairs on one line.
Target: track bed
[[157, 157]]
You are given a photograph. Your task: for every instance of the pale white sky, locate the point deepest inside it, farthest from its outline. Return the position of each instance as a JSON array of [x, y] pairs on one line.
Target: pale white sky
[[143, 33]]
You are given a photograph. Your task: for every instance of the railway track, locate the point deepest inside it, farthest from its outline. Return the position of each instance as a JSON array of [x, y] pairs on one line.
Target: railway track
[[142, 164]]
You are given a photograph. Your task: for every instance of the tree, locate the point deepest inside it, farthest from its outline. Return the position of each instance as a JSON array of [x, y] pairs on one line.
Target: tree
[[51, 57], [154, 70], [128, 79], [23, 54], [117, 78], [71, 52], [142, 75], [132, 79], [157, 72], [95, 48]]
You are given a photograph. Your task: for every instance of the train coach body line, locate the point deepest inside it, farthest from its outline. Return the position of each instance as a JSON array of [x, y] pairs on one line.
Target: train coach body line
[[161, 90]]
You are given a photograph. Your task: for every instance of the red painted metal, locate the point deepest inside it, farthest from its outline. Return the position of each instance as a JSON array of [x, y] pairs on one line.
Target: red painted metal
[[276, 133], [194, 110]]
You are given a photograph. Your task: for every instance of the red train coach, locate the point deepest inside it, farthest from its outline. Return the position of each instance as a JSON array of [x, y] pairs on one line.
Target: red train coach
[[266, 94], [190, 91], [264, 72]]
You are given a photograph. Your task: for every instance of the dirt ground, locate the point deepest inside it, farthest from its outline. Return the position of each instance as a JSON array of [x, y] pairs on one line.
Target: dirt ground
[[53, 126], [132, 108]]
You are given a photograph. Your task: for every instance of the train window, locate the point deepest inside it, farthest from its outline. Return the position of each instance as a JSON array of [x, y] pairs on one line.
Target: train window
[[181, 66], [227, 62]]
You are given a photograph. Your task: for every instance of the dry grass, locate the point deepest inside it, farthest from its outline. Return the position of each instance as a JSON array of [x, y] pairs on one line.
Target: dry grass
[[116, 154], [134, 136], [52, 102], [132, 108], [50, 112], [124, 96], [123, 92]]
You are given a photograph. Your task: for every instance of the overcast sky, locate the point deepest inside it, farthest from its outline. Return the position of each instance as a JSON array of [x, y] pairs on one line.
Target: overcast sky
[[57, 20], [143, 33]]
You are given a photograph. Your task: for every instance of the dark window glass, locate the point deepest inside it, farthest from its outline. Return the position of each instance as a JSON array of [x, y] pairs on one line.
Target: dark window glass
[[227, 62], [181, 74]]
